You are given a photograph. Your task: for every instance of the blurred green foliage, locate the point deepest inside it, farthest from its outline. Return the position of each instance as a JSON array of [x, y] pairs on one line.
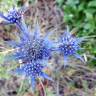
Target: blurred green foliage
[[2, 56], [5, 5], [81, 14]]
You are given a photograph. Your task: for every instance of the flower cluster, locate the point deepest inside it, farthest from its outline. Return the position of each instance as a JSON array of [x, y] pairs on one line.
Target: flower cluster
[[32, 49]]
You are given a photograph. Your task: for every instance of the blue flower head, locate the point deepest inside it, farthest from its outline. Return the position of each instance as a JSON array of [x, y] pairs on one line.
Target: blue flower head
[[13, 16], [32, 48], [33, 71], [69, 45]]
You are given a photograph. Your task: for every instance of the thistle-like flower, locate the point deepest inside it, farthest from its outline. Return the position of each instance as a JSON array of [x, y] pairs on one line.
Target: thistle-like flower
[[32, 72], [69, 45], [15, 16], [32, 49]]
